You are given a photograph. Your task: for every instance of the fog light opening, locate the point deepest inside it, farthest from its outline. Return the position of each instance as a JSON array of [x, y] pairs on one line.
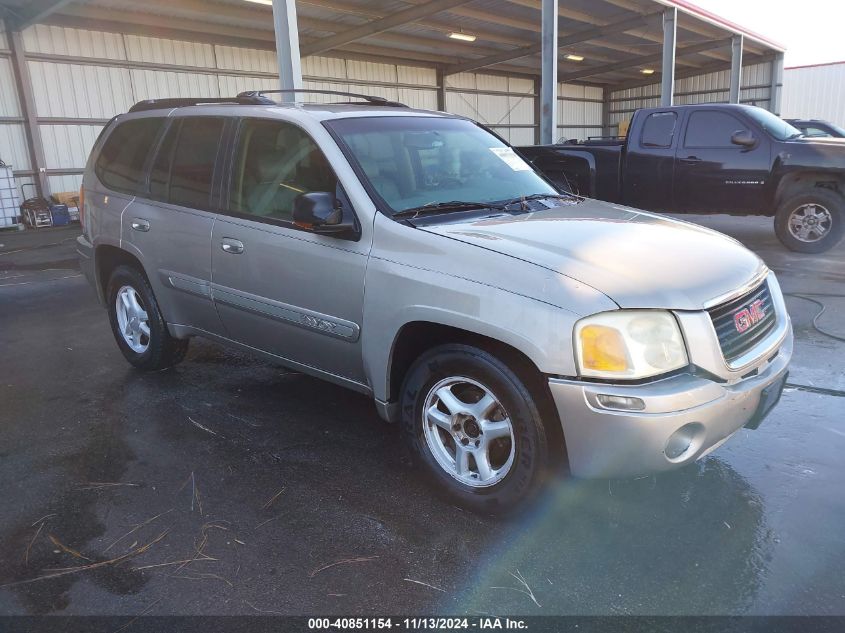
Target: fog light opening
[[683, 442], [622, 403]]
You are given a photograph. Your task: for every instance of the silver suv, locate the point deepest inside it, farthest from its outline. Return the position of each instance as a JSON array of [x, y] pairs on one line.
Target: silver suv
[[413, 256]]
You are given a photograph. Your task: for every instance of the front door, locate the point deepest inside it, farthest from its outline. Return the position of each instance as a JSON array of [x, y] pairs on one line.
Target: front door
[[712, 174], [277, 287]]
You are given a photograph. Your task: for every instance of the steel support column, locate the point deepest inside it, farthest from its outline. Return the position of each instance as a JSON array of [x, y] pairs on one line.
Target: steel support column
[[27, 102], [548, 85], [670, 37], [441, 90], [605, 111], [775, 91], [537, 110], [736, 68], [287, 47]]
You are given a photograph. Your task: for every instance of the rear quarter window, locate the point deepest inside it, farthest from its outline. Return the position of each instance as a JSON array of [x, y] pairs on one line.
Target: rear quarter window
[[120, 165], [659, 129]]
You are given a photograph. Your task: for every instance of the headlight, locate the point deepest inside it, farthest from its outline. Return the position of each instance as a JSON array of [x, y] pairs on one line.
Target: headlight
[[629, 344]]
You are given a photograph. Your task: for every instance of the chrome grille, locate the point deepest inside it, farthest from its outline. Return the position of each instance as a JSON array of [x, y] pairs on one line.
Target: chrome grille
[[724, 317]]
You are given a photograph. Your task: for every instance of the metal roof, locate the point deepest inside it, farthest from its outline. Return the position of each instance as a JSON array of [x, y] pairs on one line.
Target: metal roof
[[616, 38]]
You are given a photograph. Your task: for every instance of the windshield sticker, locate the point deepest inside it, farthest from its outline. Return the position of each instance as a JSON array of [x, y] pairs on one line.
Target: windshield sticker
[[510, 158]]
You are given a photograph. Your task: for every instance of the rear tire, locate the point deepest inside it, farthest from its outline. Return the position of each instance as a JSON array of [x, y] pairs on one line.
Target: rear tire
[[811, 220], [137, 324], [475, 427]]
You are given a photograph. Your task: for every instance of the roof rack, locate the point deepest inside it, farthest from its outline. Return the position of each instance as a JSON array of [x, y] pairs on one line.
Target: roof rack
[[183, 102], [369, 99]]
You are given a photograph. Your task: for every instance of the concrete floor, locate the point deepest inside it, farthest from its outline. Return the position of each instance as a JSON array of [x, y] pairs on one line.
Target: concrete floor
[[288, 495]]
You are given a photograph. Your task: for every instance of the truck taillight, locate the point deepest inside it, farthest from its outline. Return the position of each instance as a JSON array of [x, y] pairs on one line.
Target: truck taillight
[[82, 207]]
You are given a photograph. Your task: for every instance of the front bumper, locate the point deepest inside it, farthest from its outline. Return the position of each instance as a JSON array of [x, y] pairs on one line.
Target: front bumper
[[601, 442]]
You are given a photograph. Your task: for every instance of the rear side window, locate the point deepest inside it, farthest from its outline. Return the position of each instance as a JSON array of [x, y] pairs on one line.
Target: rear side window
[[120, 165], [160, 170], [659, 129], [709, 128], [192, 165]]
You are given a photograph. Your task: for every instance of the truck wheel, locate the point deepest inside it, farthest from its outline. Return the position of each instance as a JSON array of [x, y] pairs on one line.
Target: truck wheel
[[811, 221], [137, 324], [475, 427]]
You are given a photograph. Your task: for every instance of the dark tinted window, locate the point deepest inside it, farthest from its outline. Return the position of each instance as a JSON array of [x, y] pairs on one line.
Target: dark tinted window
[[192, 171], [274, 163], [120, 165], [709, 128], [160, 170], [659, 129], [815, 132]]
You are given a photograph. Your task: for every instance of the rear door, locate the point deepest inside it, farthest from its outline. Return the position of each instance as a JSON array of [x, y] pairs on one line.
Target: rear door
[[120, 176], [713, 174], [649, 164], [170, 225], [280, 288]]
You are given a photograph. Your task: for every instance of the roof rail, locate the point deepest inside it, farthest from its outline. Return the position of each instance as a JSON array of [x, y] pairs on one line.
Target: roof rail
[[369, 99], [183, 102]]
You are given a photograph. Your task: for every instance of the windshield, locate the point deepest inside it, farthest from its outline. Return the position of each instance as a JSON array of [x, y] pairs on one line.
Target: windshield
[[424, 161], [773, 124]]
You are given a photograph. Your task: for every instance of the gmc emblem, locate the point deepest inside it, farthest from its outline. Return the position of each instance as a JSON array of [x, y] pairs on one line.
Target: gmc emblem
[[749, 316]]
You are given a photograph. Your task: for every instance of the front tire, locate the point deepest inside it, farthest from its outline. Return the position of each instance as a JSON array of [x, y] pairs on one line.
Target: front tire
[[137, 324], [811, 221], [475, 427]]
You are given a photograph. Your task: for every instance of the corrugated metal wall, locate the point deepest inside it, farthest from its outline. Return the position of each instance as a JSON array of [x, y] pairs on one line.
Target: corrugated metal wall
[[505, 104], [579, 111], [815, 92], [13, 147], [709, 88]]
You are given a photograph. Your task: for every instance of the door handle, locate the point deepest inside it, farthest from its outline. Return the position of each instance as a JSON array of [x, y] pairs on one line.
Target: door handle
[[140, 224], [233, 246], [691, 160]]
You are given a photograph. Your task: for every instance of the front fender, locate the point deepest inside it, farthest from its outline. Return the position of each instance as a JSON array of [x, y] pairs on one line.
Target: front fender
[[398, 294]]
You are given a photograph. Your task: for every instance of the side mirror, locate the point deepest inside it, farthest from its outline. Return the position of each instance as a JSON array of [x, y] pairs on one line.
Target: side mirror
[[318, 211], [743, 138]]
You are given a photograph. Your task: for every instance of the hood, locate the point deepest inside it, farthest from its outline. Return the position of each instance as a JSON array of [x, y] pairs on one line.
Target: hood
[[639, 260], [819, 140]]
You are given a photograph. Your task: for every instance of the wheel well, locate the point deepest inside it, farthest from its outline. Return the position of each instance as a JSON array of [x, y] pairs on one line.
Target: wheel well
[[416, 338], [108, 258], [796, 182]]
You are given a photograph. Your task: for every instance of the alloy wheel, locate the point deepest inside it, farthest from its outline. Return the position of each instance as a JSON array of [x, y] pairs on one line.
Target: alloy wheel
[[468, 431], [132, 319], [810, 222]]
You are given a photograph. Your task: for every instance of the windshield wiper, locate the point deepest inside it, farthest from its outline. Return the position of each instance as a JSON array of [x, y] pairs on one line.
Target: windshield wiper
[[461, 205], [454, 205], [534, 196]]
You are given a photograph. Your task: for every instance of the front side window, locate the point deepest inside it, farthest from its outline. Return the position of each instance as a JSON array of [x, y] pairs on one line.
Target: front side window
[[659, 129], [274, 163], [416, 161], [192, 169], [709, 128], [120, 165]]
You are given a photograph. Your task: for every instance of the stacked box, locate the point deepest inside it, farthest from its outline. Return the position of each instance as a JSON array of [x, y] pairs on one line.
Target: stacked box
[[70, 198], [10, 201]]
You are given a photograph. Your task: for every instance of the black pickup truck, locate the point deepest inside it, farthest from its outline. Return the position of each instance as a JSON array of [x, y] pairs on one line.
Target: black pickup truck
[[713, 158]]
